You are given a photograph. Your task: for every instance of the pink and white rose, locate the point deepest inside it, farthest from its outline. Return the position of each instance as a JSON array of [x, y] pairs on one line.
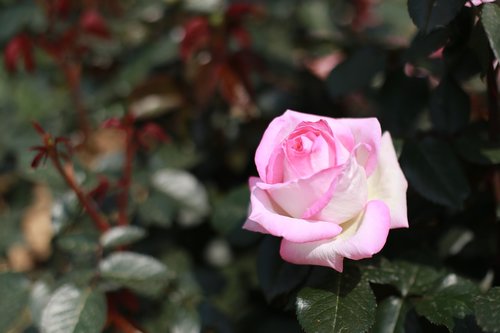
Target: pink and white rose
[[331, 188]]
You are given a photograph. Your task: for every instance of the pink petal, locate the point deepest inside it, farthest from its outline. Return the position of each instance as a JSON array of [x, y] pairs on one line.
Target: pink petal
[[297, 196], [266, 218], [388, 183], [282, 126], [361, 238], [349, 196], [366, 131]]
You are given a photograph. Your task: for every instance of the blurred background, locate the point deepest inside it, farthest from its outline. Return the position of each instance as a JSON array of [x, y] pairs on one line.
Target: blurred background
[[148, 113]]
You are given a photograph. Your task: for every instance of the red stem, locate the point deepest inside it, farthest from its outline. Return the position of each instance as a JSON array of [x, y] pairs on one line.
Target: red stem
[[89, 206], [126, 176], [121, 323]]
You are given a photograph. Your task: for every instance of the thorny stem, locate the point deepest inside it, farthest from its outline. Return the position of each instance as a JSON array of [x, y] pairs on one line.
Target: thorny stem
[[99, 221], [127, 175]]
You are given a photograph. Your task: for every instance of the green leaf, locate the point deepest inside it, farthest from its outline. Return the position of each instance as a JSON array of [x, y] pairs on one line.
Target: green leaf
[[407, 277], [490, 18], [431, 14], [74, 310], [81, 243], [158, 209], [391, 316], [451, 300], [39, 297], [141, 273], [14, 291], [230, 212], [347, 305], [356, 72], [121, 235], [433, 170], [477, 151], [449, 106], [277, 277], [402, 98], [487, 308]]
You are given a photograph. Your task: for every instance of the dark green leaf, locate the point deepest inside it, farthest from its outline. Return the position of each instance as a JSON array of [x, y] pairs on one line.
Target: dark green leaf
[[391, 316], [74, 310], [487, 310], [407, 277], [14, 293], [121, 235], [449, 106], [452, 299], [402, 98], [356, 72], [477, 151], [347, 305], [277, 277], [490, 17], [433, 170], [158, 209], [78, 243], [431, 14], [230, 212], [141, 273]]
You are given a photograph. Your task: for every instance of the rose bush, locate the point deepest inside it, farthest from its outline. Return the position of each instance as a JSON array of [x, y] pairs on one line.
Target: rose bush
[[331, 188]]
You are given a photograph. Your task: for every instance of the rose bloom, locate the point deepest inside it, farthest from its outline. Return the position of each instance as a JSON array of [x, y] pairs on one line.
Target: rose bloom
[[331, 188]]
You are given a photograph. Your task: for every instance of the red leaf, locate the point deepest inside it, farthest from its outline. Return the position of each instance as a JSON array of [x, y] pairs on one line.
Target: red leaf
[[197, 34], [38, 128], [38, 158], [61, 8], [232, 87], [20, 47], [92, 23]]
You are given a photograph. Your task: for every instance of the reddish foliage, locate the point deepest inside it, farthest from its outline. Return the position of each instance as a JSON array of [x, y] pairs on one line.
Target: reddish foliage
[[225, 70], [92, 23], [19, 47]]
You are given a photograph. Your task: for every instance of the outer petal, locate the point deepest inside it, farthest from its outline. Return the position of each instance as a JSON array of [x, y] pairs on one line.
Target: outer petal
[[388, 183], [361, 238], [366, 131], [334, 195], [266, 218]]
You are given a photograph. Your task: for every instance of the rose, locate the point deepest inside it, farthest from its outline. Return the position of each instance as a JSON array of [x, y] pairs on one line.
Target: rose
[[331, 188]]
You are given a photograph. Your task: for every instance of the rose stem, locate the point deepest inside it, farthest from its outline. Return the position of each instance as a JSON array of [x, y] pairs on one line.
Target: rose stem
[[89, 206], [126, 175]]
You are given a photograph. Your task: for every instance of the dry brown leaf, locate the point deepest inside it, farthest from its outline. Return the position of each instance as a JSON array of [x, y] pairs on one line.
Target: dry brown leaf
[[20, 258], [37, 224]]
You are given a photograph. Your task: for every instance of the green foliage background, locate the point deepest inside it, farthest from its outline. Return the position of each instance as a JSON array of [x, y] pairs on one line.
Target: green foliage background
[[424, 68]]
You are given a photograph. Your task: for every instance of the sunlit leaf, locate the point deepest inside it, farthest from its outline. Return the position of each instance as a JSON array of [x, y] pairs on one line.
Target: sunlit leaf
[[334, 308], [74, 310], [141, 273]]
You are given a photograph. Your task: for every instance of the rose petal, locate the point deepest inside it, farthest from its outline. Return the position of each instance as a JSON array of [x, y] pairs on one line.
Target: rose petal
[[282, 126], [388, 183], [297, 196], [366, 131], [272, 221], [349, 196], [361, 238]]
